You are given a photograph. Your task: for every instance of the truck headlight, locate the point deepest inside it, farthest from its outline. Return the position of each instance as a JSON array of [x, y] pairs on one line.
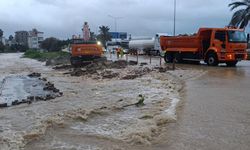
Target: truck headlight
[[99, 43]]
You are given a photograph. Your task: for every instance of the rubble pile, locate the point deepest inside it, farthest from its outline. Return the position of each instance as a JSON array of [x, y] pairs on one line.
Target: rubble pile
[[96, 66], [135, 73]]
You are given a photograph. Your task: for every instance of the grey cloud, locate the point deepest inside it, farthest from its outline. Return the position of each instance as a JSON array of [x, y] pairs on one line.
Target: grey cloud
[[62, 18]]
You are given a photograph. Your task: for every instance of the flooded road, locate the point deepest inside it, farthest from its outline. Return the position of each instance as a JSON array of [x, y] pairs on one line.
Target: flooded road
[[214, 111]]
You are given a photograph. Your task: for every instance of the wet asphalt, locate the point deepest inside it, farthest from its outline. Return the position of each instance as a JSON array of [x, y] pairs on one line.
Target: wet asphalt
[[216, 112]]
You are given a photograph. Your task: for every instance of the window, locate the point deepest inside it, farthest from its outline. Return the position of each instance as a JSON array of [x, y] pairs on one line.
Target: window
[[220, 35], [237, 36]]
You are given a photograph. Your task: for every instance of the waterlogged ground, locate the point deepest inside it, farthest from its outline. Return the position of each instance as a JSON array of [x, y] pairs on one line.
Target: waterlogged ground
[[213, 110], [91, 114], [96, 114]]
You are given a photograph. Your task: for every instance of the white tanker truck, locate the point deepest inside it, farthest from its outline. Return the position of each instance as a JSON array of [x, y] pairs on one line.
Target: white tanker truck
[[146, 46]]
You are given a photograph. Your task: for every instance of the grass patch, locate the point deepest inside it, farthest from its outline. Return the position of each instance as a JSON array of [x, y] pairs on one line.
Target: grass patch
[[43, 56]]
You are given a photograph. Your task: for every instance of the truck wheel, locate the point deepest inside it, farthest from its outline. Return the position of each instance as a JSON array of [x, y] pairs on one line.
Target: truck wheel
[[178, 58], [212, 59], [231, 64], [168, 57]]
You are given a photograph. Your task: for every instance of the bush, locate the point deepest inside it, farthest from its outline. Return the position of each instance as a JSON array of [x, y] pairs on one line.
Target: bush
[[51, 44]]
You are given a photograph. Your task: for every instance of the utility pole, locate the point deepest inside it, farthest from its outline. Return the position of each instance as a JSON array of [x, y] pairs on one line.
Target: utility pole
[[174, 16]]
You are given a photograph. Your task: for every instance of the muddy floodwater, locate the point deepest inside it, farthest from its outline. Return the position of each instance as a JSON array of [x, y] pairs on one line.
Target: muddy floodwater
[[194, 107]]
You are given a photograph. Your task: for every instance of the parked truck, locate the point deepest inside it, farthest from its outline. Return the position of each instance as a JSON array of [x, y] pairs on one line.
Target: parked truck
[[212, 45], [149, 46]]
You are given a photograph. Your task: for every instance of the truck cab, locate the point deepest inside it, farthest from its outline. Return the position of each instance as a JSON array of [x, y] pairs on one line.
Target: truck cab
[[227, 45]]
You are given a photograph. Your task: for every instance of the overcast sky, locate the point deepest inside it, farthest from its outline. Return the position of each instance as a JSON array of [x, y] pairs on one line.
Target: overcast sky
[[63, 18]]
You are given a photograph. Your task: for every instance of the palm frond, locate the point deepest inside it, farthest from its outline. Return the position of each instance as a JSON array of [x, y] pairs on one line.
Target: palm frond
[[235, 5], [237, 18]]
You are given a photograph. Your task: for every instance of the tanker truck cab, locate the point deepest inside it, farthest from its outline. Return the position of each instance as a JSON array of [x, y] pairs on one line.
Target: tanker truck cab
[[228, 46]]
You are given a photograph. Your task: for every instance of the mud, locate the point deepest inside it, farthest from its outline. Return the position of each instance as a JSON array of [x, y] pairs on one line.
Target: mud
[[120, 120], [108, 70], [91, 114]]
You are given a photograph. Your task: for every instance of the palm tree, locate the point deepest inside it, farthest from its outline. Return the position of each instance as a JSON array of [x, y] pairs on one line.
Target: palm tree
[[241, 16], [104, 35]]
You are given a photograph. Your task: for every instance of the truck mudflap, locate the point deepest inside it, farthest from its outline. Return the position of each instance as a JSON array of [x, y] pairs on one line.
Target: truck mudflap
[[79, 60]]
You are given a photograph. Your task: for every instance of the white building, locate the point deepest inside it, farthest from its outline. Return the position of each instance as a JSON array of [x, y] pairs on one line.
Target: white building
[[34, 39]]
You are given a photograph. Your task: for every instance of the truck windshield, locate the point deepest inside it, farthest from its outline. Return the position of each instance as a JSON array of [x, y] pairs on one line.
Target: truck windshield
[[237, 36]]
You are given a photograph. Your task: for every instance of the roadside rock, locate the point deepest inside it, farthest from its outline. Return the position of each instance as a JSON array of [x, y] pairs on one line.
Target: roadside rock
[[120, 64], [132, 63], [59, 67], [136, 73], [143, 64], [78, 72], [34, 75], [108, 74], [162, 69]]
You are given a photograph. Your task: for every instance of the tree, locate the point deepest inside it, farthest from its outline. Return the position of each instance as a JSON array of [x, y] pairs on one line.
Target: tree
[[241, 16], [92, 36], [11, 38], [2, 47], [1, 33], [104, 35], [51, 44]]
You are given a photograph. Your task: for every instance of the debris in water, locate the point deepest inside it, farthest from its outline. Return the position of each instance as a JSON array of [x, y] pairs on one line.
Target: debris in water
[[108, 74], [34, 75], [162, 69], [132, 63], [139, 103], [143, 64], [136, 73], [16, 90]]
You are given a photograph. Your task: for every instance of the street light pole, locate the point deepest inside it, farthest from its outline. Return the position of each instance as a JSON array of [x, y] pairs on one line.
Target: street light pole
[[115, 20], [174, 16]]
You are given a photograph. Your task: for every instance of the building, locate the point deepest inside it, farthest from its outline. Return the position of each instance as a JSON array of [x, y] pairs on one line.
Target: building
[[21, 37], [35, 38]]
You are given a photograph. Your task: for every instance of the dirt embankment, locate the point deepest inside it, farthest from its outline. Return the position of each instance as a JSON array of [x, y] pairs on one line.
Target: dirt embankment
[[106, 69]]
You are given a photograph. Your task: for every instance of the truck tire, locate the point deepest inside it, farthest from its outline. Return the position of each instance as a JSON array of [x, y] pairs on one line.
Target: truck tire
[[169, 57], [178, 57], [232, 63], [212, 59]]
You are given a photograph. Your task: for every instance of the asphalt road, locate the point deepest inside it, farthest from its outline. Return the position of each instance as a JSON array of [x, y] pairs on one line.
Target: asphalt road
[[216, 112]]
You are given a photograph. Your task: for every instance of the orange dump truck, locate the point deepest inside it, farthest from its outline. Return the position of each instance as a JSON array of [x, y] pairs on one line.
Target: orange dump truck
[[212, 45], [84, 51]]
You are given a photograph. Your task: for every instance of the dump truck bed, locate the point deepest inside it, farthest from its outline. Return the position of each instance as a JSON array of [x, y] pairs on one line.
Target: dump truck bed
[[180, 43]]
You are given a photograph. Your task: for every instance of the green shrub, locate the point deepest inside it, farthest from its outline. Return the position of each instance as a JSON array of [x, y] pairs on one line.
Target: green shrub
[[42, 56]]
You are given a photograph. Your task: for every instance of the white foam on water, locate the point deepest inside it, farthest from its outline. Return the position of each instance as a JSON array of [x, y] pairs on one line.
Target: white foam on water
[[171, 111]]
